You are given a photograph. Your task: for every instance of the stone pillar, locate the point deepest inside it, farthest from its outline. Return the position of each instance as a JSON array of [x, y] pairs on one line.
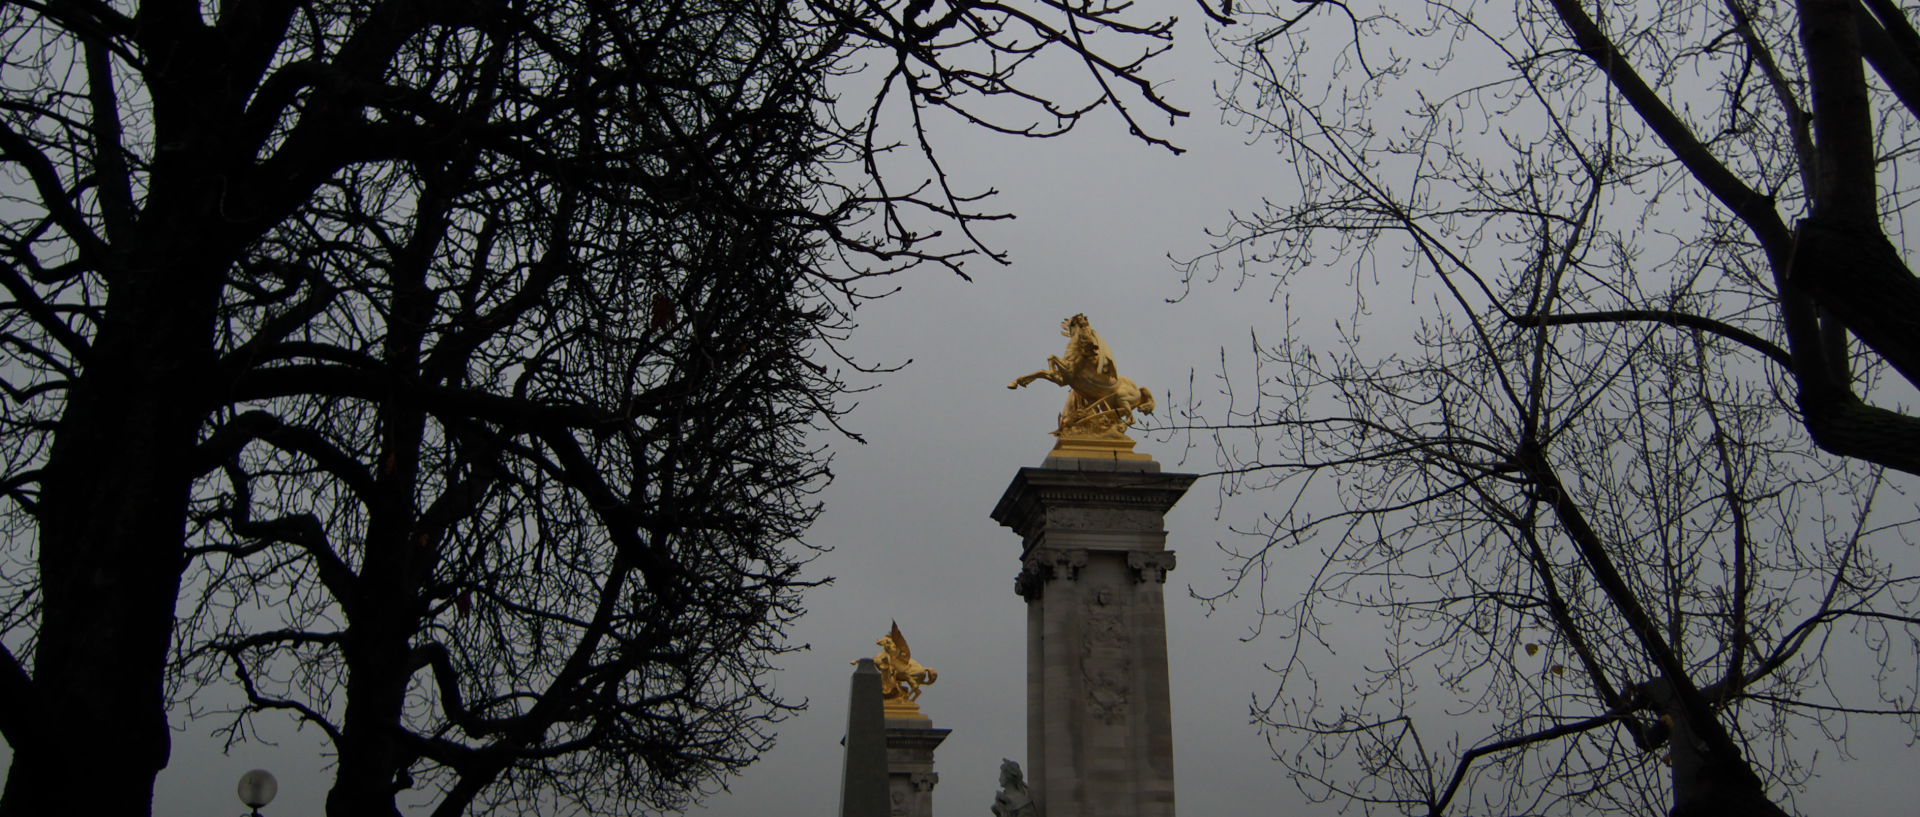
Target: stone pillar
[[1094, 565], [910, 774], [863, 780]]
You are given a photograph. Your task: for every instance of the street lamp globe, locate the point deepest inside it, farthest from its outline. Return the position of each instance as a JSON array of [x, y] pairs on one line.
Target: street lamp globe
[[257, 789]]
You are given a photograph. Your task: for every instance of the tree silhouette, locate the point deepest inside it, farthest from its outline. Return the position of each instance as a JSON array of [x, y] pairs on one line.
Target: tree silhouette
[[1624, 496], [448, 366]]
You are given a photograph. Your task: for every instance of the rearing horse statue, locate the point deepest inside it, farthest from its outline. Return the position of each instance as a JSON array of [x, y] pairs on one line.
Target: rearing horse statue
[[1101, 402], [901, 677]]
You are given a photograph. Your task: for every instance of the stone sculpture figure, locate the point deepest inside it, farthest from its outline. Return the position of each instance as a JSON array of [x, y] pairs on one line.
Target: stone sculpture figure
[[1012, 800], [1101, 401], [901, 677]]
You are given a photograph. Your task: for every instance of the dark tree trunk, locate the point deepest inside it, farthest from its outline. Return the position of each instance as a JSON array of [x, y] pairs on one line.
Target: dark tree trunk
[[369, 748], [1856, 276], [113, 501], [1706, 782], [386, 608], [114, 493], [384, 613], [112, 513]]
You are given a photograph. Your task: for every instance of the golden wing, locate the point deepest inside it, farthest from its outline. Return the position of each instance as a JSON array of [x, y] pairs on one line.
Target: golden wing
[[900, 643]]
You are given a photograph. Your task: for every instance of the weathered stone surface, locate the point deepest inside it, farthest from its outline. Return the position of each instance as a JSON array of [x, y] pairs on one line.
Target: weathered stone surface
[[1093, 567]]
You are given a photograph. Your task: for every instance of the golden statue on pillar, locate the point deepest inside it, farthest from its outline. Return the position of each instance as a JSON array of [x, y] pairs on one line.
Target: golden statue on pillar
[[1100, 402], [901, 677]]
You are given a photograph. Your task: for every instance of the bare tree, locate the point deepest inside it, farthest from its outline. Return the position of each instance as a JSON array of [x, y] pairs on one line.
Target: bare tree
[[1596, 506], [455, 360]]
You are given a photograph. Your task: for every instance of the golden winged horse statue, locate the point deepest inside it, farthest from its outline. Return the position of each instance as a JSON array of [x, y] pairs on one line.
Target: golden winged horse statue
[[901, 677]]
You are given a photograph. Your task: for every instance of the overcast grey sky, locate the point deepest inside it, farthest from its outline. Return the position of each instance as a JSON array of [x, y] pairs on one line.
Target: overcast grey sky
[[907, 517]]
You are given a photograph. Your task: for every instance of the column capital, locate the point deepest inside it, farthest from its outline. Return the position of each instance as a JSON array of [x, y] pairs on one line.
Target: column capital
[[1150, 565]]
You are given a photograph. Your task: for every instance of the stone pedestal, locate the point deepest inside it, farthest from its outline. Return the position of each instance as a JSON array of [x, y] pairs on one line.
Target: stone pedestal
[[1093, 569], [910, 774]]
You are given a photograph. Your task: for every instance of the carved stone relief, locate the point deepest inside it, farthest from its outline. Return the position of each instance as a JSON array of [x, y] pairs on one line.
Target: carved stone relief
[[1106, 655]]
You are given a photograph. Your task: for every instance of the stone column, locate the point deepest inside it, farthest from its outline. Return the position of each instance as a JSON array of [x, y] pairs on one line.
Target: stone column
[[1093, 570], [910, 774], [863, 780]]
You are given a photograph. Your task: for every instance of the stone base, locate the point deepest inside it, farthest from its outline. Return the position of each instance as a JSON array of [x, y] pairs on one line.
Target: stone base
[[901, 709], [1097, 448]]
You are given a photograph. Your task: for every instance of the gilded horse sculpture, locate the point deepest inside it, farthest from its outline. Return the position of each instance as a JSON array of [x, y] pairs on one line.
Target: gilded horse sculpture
[[901, 677], [1101, 401]]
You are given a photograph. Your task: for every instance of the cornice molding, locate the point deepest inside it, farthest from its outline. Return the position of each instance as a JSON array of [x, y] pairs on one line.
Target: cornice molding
[[1035, 490]]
